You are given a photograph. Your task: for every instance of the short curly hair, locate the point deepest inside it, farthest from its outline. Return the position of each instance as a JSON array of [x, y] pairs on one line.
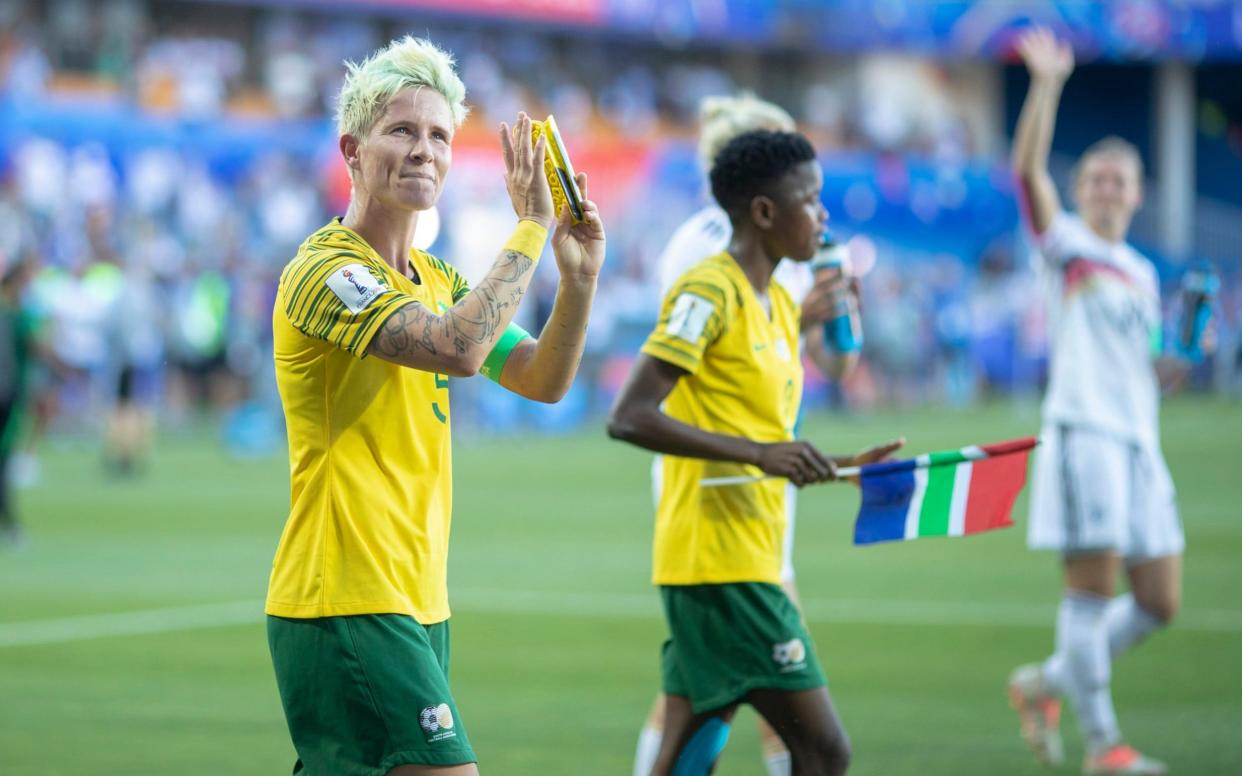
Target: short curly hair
[[752, 162], [405, 62]]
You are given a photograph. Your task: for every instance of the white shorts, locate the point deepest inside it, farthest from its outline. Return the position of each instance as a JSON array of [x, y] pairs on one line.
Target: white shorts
[[1092, 491], [791, 510]]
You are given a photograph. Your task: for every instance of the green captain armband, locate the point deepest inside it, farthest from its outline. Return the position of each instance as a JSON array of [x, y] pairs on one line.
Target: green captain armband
[[495, 362]]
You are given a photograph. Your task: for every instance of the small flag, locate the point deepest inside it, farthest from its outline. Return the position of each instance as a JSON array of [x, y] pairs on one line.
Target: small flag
[[950, 493]]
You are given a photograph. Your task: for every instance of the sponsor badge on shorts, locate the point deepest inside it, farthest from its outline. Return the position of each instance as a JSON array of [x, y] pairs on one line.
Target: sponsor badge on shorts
[[355, 286], [437, 721], [689, 317], [789, 655]]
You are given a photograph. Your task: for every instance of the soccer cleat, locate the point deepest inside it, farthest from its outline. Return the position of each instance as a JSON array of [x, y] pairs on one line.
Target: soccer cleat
[[1039, 712], [1123, 759]]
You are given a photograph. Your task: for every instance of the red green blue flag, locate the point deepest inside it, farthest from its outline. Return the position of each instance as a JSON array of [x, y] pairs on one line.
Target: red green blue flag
[[949, 493]]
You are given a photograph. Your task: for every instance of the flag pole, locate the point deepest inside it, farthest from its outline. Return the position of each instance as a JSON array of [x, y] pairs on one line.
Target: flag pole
[[971, 453], [746, 479], [741, 479]]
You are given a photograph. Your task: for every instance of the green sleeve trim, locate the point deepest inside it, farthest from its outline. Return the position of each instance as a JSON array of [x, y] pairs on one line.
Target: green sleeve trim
[[457, 283], [1156, 340], [495, 362], [460, 287], [672, 355]]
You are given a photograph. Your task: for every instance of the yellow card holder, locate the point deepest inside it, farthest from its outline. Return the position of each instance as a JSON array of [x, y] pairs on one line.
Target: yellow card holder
[[557, 168]]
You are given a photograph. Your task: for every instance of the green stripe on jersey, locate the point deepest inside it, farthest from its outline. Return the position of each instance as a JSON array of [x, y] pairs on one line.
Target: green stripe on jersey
[[304, 276], [689, 351], [697, 286], [313, 310], [377, 318]]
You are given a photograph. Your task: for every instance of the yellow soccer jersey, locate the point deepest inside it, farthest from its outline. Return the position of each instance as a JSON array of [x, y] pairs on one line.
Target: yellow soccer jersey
[[369, 453], [745, 380]]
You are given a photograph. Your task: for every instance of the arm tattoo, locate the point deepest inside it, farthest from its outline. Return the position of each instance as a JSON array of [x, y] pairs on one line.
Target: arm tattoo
[[394, 337], [479, 326], [413, 326]]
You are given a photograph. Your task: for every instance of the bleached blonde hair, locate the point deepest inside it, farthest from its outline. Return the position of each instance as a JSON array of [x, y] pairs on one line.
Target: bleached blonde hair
[[405, 62], [723, 118]]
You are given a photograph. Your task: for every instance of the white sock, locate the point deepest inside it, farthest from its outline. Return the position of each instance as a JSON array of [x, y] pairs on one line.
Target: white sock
[[1088, 668], [648, 750], [778, 764], [1127, 624], [1055, 675]]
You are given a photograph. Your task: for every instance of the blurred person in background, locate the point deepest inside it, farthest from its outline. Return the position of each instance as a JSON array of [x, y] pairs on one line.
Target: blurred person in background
[[128, 318], [367, 330], [198, 336], [17, 240], [1102, 495], [137, 327], [951, 326], [78, 304], [998, 301], [706, 233], [900, 334], [42, 382], [717, 391], [17, 346]]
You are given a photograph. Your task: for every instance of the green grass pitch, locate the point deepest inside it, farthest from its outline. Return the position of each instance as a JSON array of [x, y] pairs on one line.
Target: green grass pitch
[[556, 630]]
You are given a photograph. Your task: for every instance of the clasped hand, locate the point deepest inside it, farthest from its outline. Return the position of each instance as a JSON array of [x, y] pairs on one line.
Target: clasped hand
[[579, 248]]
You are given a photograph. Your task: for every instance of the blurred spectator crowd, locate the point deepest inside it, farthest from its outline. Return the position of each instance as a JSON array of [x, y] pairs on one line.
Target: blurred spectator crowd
[[157, 263]]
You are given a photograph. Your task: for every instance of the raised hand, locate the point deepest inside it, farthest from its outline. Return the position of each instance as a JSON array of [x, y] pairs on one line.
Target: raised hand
[[1050, 62], [1045, 56], [800, 462], [524, 176], [579, 248]]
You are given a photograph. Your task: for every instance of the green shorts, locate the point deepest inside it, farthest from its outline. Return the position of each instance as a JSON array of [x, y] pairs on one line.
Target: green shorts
[[366, 693], [727, 640]]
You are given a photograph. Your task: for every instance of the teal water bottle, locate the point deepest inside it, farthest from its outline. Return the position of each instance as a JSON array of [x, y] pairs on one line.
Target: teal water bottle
[[843, 331], [1199, 288]]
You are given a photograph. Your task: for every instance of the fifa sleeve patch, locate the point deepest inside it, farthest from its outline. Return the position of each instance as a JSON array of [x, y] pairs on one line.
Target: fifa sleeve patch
[[689, 317], [355, 286]]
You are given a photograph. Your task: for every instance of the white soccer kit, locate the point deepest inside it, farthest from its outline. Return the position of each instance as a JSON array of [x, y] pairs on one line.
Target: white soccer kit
[[704, 234], [1100, 480]]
